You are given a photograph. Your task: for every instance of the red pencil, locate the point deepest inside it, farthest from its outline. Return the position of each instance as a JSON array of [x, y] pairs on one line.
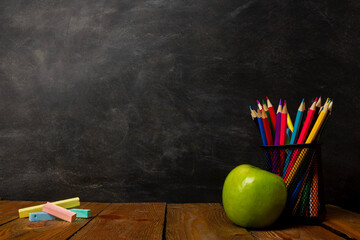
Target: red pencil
[[267, 128], [283, 125], [301, 138], [307, 123], [272, 112]]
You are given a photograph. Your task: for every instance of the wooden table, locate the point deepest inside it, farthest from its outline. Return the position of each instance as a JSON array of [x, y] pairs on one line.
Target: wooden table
[[165, 221]]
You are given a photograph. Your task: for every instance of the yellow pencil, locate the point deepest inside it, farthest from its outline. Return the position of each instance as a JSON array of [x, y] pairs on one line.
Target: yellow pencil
[[289, 123], [318, 123], [310, 139]]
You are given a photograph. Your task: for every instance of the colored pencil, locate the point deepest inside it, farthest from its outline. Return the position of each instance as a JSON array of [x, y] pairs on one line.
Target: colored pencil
[[263, 137], [325, 122], [254, 117], [295, 193], [266, 110], [288, 136], [294, 134], [318, 103], [298, 194], [298, 120], [318, 123], [283, 124], [310, 139], [281, 160], [271, 111], [267, 128], [300, 140], [278, 124], [275, 167], [289, 122], [305, 198], [322, 107], [259, 105], [261, 127], [307, 123], [315, 203]]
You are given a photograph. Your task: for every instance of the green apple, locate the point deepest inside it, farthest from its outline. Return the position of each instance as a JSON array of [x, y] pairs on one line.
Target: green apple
[[253, 197]]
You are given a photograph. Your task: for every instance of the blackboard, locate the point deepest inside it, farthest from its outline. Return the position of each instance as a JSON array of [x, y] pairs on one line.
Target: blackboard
[[132, 101]]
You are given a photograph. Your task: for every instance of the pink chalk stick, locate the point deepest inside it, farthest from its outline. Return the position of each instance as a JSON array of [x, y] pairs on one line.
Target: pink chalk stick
[[59, 212]]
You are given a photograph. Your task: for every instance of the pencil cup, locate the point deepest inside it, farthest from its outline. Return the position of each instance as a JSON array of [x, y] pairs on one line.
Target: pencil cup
[[300, 167]]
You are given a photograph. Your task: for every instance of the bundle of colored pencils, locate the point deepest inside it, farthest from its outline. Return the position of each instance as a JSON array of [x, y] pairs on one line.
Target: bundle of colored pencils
[[277, 129]]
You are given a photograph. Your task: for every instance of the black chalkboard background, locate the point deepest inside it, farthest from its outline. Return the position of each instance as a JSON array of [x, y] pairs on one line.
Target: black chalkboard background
[[131, 100]]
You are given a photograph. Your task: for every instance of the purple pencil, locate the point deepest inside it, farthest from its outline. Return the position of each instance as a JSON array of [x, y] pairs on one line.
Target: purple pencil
[[278, 122]]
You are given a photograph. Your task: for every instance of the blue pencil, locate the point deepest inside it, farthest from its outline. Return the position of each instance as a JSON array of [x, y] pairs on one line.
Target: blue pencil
[[295, 193], [262, 130], [263, 138], [298, 120], [295, 133]]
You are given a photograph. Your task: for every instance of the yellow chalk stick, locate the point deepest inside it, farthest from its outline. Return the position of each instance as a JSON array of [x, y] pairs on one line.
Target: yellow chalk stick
[[67, 203]]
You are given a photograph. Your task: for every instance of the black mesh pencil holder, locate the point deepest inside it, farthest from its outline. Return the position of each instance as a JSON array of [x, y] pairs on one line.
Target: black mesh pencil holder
[[300, 167]]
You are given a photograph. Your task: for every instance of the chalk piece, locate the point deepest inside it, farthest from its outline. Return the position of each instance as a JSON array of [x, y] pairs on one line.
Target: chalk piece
[[67, 203], [81, 213], [59, 212], [40, 216]]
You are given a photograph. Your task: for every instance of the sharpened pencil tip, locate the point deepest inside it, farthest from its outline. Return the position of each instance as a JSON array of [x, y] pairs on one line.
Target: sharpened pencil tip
[[316, 99], [267, 98], [250, 107], [303, 100], [257, 101], [280, 102]]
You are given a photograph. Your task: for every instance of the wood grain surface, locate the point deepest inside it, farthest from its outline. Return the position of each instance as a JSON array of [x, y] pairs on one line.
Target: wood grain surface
[[126, 221], [201, 221], [296, 232], [343, 221], [195, 221], [9, 209], [57, 229]]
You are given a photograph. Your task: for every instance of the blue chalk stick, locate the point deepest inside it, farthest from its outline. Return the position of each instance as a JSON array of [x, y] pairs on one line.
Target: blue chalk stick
[[40, 216], [81, 213]]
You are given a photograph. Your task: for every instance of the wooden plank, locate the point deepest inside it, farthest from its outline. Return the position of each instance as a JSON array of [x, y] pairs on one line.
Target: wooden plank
[[296, 232], [56, 229], [9, 209], [126, 221], [343, 221], [201, 221]]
